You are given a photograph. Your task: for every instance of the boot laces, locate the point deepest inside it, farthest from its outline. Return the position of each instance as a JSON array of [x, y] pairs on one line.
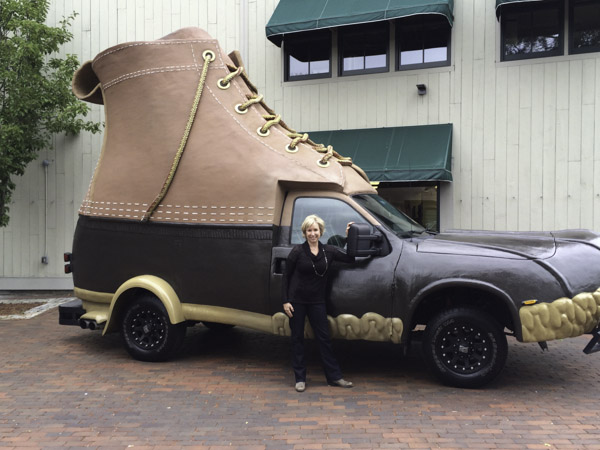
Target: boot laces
[[275, 119]]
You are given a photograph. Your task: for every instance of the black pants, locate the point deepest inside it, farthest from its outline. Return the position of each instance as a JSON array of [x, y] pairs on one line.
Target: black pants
[[317, 316]]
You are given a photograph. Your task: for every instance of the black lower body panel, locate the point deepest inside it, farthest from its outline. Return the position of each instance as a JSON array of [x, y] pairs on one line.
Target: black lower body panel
[[221, 265]]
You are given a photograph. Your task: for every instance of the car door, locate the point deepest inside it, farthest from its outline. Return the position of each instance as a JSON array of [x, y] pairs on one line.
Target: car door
[[355, 289]]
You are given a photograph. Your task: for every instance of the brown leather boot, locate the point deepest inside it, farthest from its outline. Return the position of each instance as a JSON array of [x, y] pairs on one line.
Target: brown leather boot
[[188, 138]]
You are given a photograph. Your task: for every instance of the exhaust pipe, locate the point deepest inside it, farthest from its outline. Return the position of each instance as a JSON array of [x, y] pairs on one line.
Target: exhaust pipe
[[90, 324]]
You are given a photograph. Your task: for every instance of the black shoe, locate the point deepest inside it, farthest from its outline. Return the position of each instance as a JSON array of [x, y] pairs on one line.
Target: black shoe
[[341, 383]]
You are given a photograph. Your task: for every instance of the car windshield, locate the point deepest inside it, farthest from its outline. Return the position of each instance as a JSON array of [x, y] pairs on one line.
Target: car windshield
[[396, 221]]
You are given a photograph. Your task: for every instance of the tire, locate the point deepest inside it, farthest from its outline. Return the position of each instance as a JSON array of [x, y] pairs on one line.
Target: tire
[[147, 333], [465, 347], [215, 326]]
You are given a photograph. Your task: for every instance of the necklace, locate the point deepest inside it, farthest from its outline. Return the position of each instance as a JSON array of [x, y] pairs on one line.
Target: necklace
[[315, 269]]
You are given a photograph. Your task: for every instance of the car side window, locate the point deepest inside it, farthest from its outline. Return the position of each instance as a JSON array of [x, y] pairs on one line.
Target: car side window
[[335, 213]]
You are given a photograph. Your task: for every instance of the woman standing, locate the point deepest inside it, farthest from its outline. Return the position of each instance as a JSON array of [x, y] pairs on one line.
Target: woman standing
[[304, 291]]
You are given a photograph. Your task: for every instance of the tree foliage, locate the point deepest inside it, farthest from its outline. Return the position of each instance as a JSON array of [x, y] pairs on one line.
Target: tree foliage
[[35, 93]]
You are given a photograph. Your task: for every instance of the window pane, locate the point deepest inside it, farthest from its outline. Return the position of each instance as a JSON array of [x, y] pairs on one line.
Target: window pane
[[436, 54], [531, 28], [319, 67], [308, 54], [375, 61], [335, 213], [585, 27], [423, 40], [375, 47], [411, 57], [355, 63], [364, 47], [298, 68]]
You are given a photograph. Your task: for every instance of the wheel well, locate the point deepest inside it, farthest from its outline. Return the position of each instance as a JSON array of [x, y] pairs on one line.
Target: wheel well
[[474, 298], [124, 300]]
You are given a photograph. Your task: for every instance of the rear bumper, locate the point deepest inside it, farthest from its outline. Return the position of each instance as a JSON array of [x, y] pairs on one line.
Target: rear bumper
[[70, 313]]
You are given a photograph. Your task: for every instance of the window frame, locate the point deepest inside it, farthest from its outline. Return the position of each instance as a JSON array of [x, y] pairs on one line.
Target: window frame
[[424, 65], [532, 7], [571, 49], [307, 37], [354, 28]]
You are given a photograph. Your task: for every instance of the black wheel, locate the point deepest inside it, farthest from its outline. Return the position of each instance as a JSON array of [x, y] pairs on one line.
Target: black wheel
[[465, 347], [147, 332], [215, 326]]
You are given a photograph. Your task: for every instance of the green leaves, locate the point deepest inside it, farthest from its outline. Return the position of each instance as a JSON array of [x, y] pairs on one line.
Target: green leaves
[[35, 89]]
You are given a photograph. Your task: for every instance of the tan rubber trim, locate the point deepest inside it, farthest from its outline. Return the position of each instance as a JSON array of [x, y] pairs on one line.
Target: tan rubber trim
[[93, 296], [561, 318], [370, 327]]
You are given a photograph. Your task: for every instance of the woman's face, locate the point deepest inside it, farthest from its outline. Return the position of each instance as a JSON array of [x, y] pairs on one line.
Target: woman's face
[[313, 233]]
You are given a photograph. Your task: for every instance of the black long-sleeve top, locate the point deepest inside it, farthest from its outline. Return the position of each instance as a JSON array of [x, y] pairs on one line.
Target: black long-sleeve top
[[306, 275]]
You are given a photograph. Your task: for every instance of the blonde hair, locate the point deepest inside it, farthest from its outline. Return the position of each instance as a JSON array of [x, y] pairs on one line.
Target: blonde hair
[[313, 218]]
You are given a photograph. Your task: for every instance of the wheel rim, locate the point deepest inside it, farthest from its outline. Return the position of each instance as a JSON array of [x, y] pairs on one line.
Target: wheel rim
[[147, 329], [464, 348]]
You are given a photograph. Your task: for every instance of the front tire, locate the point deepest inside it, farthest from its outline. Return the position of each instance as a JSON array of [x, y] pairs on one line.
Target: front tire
[[465, 347], [147, 331]]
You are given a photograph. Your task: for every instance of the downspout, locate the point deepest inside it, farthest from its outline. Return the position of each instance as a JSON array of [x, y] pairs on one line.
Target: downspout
[[45, 164], [244, 38]]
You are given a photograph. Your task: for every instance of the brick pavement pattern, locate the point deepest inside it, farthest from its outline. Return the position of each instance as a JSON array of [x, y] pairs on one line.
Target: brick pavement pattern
[[65, 387]]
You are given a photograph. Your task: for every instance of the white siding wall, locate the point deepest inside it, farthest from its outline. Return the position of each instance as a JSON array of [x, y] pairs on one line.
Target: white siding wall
[[526, 148]]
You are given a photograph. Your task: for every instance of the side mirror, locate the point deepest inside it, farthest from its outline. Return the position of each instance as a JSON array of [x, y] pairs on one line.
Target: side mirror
[[361, 242]]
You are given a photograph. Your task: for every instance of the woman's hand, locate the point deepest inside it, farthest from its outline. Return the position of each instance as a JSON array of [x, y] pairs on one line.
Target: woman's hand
[[348, 227], [289, 309]]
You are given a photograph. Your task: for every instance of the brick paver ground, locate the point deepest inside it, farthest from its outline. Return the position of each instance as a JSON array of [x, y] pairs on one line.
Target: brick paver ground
[[65, 387]]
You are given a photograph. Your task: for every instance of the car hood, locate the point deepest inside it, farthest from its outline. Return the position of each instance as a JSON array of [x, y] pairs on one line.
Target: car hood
[[510, 245], [572, 257]]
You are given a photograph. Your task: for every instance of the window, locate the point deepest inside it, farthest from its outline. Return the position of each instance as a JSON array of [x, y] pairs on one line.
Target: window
[[335, 213], [532, 30], [419, 201], [364, 48], [584, 26], [307, 55], [422, 41]]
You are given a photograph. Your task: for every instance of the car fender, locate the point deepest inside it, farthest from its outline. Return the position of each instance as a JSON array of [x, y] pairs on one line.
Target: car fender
[[471, 284], [159, 287]]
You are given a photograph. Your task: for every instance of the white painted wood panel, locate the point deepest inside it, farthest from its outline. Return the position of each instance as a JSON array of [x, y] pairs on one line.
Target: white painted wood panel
[[526, 143], [536, 148]]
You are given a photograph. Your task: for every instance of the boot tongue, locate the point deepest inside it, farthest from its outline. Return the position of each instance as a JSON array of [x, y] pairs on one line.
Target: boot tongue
[[236, 58], [187, 33]]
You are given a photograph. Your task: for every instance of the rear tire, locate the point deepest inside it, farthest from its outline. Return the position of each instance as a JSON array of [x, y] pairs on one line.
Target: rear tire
[[147, 331], [465, 347]]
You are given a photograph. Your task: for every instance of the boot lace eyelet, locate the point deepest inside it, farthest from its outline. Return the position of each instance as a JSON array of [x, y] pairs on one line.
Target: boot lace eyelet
[[291, 149], [263, 134], [323, 164], [240, 110], [209, 54], [223, 85]]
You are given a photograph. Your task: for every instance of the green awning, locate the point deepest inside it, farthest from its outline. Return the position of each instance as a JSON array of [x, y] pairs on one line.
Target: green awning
[[416, 153], [292, 16], [501, 3]]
